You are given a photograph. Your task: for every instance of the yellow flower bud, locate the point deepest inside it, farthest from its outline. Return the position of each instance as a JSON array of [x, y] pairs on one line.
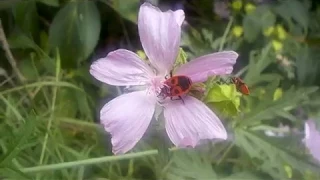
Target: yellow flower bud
[[277, 94], [267, 32], [141, 54], [237, 5], [249, 8], [288, 170], [282, 34], [237, 31], [277, 45]]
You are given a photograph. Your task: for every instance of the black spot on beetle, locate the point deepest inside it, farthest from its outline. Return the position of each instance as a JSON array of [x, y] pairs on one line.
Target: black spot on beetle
[[184, 83]]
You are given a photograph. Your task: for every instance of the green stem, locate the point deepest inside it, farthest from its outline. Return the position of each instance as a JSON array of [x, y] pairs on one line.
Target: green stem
[[78, 122], [43, 83], [226, 32], [225, 153], [91, 161]]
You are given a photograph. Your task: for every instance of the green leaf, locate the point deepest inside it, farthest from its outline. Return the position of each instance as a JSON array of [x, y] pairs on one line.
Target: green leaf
[[306, 60], [260, 19], [4, 4], [127, 9], [224, 98], [258, 62], [268, 19], [251, 28], [271, 109], [182, 57], [228, 108], [288, 11], [75, 31], [54, 3], [194, 40], [275, 154], [20, 41], [218, 93], [26, 18]]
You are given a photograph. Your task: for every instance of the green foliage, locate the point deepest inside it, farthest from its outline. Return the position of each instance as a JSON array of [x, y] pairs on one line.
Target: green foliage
[[182, 57], [127, 9], [54, 3], [288, 11], [25, 15], [273, 157], [257, 21], [225, 98], [190, 165], [49, 124], [80, 22]]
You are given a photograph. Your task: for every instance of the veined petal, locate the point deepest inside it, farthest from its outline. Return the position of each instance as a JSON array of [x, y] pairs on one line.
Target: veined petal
[[201, 68], [126, 118], [160, 35], [189, 122], [180, 16], [121, 68], [312, 139]]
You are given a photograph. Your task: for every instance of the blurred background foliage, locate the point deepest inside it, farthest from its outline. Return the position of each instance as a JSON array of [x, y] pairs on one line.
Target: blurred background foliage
[[50, 104]]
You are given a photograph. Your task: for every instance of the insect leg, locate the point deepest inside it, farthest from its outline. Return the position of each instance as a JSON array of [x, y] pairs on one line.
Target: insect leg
[[181, 99]]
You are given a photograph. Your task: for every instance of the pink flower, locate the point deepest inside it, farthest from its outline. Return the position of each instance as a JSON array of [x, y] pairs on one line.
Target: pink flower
[[312, 139], [127, 117]]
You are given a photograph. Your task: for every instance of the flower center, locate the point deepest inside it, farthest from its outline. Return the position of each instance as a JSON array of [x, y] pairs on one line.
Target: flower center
[[157, 83]]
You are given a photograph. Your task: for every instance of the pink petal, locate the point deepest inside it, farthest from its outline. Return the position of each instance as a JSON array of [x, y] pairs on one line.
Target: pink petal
[[180, 16], [201, 68], [312, 139], [126, 118], [189, 122], [121, 68], [160, 35]]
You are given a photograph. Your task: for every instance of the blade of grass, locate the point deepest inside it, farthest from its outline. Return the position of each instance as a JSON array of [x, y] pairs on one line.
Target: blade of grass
[[54, 97], [225, 34], [13, 173], [12, 108], [72, 164], [43, 83], [14, 149]]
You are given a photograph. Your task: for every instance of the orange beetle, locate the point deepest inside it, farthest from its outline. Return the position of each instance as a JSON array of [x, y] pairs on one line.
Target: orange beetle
[[240, 85], [176, 86]]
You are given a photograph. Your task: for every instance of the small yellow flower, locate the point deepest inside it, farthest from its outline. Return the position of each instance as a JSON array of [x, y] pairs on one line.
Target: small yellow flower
[[288, 170], [282, 34], [237, 5], [277, 45], [249, 8], [277, 94], [141, 54], [267, 32], [237, 31]]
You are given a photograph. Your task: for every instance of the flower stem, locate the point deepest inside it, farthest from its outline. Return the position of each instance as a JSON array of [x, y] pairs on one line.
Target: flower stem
[[225, 153], [226, 32], [91, 161]]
